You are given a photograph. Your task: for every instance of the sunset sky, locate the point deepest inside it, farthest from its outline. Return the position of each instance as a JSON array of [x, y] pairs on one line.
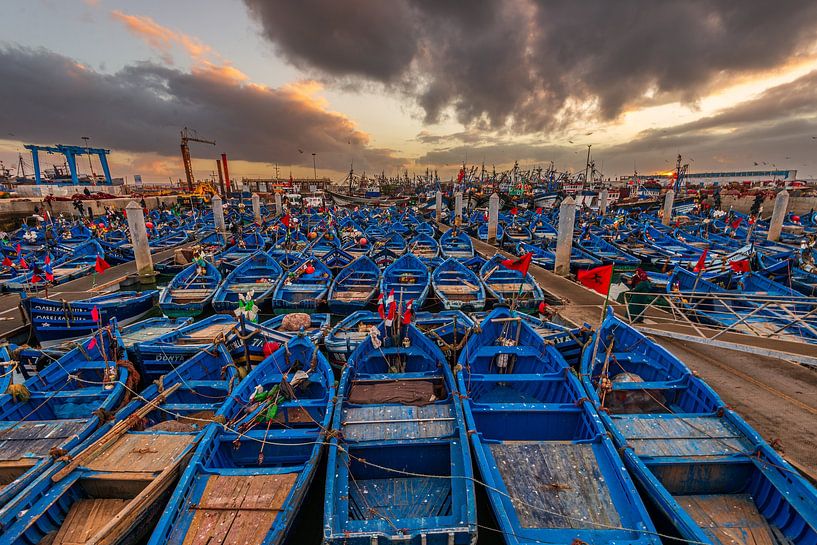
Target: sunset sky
[[410, 84]]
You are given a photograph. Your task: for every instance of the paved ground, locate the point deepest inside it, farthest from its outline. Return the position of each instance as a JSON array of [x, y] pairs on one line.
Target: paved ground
[[778, 398]]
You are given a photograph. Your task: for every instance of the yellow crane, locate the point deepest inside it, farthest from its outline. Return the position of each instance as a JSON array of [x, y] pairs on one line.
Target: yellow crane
[[190, 135]]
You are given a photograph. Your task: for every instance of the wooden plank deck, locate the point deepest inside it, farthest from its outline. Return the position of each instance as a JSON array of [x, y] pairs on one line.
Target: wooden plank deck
[[36, 438], [384, 422], [205, 335], [141, 452], [680, 436], [238, 509], [559, 484], [730, 519], [86, 518], [399, 498]]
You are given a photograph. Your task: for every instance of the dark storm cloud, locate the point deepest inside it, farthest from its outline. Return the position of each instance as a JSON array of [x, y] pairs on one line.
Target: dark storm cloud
[[50, 98], [534, 65]]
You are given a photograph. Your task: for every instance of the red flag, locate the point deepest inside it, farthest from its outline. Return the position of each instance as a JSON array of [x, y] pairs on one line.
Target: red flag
[[539, 210], [598, 279], [514, 211], [461, 175], [701, 265], [35, 279], [740, 266], [7, 262], [23, 264], [380, 309], [408, 312], [18, 248], [522, 264], [286, 220], [91, 343], [49, 275], [391, 304], [95, 314], [47, 259], [101, 265], [736, 223]]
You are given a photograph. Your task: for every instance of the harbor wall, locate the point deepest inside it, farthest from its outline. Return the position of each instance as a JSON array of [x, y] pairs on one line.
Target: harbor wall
[[798, 204]]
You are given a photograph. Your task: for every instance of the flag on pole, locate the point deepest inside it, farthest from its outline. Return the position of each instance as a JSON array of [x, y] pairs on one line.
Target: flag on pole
[[287, 221], [101, 265], [7, 262], [47, 259], [380, 309], [18, 248], [95, 314], [49, 272], [597, 279], [391, 305], [522, 264], [740, 266], [23, 264], [700, 266], [407, 315]]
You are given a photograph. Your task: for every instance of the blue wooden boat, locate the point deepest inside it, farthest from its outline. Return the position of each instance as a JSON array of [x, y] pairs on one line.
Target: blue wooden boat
[[424, 246], [393, 242], [456, 243], [516, 233], [303, 288], [702, 466], [383, 257], [54, 322], [190, 291], [58, 409], [509, 286], [347, 334], [259, 273], [551, 473], [408, 277], [336, 259], [399, 469], [426, 228], [709, 303], [354, 287], [163, 354], [482, 232], [113, 487], [319, 324], [76, 264], [255, 471], [757, 286], [8, 366], [608, 252], [458, 287], [785, 269], [148, 330]]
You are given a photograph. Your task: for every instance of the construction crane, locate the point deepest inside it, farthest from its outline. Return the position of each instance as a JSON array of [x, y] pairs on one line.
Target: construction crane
[[190, 135]]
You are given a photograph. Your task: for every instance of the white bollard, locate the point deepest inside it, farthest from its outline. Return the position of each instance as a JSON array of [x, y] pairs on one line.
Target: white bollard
[[458, 205], [493, 217], [279, 209], [669, 200], [256, 208], [603, 196], [218, 214], [139, 239], [439, 206], [781, 205], [564, 240]]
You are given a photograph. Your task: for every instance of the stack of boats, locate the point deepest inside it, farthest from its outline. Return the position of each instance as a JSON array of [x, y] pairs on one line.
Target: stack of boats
[[413, 369]]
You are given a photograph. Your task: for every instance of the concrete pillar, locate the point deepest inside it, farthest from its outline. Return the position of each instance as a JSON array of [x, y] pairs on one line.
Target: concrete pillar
[[458, 205], [493, 217], [139, 239], [781, 205], [218, 214], [256, 208], [603, 196], [669, 199], [564, 239], [279, 209], [439, 206]]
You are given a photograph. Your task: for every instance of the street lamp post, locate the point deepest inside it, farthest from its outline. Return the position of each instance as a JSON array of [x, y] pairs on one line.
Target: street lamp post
[[314, 166]]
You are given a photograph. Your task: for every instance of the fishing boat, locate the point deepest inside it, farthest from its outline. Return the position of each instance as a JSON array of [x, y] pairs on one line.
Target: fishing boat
[[167, 352], [113, 487], [347, 334], [54, 322], [509, 286], [248, 478], [190, 291], [456, 243], [260, 273], [56, 410], [458, 287], [354, 287], [319, 324], [148, 330], [482, 233], [709, 303], [8, 366], [608, 252], [303, 288], [399, 469], [551, 473], [76, 264], [408, 278], [704, 468], [424, 246]]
